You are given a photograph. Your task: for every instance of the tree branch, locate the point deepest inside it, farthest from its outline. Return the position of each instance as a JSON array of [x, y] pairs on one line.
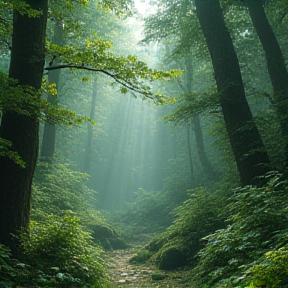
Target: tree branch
[[124, 83]]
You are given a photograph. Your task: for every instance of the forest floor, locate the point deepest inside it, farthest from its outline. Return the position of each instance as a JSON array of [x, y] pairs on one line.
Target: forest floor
[[124, 275]]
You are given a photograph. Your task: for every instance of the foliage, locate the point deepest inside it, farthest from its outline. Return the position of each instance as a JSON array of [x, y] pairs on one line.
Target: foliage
[[108, 237], [257, 215], [269, 128], [149, 213], [94, 55], [176, 19], [141, 257], [197, 217], [192, 104], [5, 150], [20, 99], [119, 7], [5, 23], [270, 271], [23, 100], [62, 253], [57, 188], [55, 114], [8, 266]]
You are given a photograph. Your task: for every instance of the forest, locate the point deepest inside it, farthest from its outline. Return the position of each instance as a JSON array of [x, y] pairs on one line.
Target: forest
[[143, 143]]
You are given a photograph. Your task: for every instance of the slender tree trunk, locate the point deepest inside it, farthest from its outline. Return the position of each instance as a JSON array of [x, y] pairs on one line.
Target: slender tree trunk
[[189, 73], [88, 150], [275, 64], [27, 61], [248, 149], [49, 135], [203, 158], [190, 155]]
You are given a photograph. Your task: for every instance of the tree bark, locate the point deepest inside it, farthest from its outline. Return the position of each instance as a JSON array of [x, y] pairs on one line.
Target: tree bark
[[275, 64], [190, 156], [49, 134], [203, 158], [248, 149], [27, 62]]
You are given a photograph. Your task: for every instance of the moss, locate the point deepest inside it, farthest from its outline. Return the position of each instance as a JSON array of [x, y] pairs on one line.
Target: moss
[[157, 277], [108, 238], [171, 257], [141, 257]]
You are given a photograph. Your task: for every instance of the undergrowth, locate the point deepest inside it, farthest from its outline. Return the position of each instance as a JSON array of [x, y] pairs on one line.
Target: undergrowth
[[245, 253], [57, 252]]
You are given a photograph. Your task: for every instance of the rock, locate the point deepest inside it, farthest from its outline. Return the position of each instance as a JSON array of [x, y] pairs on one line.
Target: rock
[[158, 276], [141, 257], [171, 258], [123, 281], [108, 238]]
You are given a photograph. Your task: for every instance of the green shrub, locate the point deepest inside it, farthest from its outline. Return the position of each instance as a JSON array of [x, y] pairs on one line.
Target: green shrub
[[141, 257], [150, 213], [57, 188], [197, 217], [8, 269], [61, 253], [271, 271], [256, 217], [12, 271]]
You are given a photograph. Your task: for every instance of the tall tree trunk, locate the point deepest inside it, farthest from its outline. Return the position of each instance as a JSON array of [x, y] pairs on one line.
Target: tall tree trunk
[[275, 64], [189, 74], [88, 150], [203, 158], [190, 156], [49, 135], [248, 149], [27, 61]]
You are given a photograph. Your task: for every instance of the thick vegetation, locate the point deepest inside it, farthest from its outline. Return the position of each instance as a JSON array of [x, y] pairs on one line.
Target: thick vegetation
[[202, 179]]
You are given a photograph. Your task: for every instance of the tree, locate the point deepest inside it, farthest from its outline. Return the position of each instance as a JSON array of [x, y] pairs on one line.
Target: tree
[[205, 162], [26, 67], [275, 63], [248, 149], [49, 134], [20, 128], [88, 148]]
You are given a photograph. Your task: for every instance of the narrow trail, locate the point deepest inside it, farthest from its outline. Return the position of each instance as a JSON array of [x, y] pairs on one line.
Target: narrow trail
[[123, 274]]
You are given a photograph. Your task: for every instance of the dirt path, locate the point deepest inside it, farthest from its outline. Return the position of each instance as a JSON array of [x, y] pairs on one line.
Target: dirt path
[[123, 274]]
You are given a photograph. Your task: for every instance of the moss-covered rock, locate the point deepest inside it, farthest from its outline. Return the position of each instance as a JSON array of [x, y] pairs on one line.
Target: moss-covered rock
[[141, 257], [157, 277], [171, 257], [108, 238]]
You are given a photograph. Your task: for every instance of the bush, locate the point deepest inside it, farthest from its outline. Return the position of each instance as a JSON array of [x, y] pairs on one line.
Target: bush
[[61, 253], [256, 217], [150, 213], [197, 217], [57, 188], [8, 270], [141, 257], [271, 271]]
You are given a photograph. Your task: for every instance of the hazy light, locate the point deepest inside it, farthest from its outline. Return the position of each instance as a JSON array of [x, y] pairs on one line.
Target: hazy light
[[143, 6]]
